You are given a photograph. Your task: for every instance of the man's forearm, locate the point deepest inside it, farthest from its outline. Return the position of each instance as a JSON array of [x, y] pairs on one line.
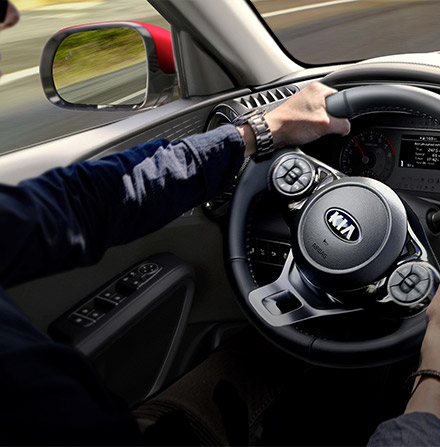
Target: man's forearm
[[69, 217]]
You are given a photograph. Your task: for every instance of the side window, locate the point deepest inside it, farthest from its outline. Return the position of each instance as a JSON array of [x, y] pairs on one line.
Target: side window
[[26, 116]]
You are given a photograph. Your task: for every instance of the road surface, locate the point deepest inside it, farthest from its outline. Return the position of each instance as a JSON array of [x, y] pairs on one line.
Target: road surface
[[124, 86]]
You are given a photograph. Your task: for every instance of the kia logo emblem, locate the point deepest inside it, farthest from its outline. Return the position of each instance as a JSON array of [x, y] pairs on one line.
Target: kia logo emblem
[[343, 225]]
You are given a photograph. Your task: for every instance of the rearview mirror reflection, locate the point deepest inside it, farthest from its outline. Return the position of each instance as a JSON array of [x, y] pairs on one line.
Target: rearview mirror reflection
[[101, 67]]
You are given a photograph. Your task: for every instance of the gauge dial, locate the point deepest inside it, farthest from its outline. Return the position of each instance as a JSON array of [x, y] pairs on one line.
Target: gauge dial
[[368, 154]]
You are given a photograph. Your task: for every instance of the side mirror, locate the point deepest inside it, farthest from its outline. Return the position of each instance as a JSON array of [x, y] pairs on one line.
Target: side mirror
[[109, 66]]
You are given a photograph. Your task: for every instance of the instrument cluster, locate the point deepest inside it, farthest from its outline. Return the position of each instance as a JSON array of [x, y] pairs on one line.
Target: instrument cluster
[[399, 150]]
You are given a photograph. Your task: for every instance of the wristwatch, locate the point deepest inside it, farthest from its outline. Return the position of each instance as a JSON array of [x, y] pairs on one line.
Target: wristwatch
[[263, 135]]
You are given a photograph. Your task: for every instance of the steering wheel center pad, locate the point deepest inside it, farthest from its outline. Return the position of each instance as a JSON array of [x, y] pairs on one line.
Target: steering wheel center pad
[[349, 234]]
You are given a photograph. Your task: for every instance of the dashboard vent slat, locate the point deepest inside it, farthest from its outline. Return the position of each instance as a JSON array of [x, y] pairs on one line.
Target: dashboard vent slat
[[267, 97]]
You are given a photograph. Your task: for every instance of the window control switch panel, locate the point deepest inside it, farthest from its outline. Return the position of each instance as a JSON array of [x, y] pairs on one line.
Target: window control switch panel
[[105, 302]]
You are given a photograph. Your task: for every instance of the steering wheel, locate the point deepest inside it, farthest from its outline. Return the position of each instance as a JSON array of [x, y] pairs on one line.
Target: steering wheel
[[356, 248]]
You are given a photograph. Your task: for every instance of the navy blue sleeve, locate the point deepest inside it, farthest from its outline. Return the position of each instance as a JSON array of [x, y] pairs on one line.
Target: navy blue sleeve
[[69, 217], [413, 429]]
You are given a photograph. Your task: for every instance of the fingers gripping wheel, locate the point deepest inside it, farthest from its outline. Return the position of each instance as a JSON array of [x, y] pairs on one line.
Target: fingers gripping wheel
[[355, 249]]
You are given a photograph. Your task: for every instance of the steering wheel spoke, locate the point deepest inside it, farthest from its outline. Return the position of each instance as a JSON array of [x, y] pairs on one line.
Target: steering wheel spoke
[[288, 300]]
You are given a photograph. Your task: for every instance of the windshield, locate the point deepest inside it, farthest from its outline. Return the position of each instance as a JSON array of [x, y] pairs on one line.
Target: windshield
[[325, 32]]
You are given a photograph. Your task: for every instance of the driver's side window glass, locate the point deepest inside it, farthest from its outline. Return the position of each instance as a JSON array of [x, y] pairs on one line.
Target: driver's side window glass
[[27, 117]]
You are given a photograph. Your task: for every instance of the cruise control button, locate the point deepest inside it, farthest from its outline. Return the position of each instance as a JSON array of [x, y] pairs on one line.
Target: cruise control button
[[274, 253], [262, 250], [284, 252], [253, 249]]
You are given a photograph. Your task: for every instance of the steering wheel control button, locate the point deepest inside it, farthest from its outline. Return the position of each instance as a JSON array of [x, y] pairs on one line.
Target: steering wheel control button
[[297, 187], [288, 165], [305, 179], [273, 253], [284, 252], [349, 234], [283, 185], [292, 175], [414, 295], [410, 283], [404, 271], [290, 178], [420, 271]]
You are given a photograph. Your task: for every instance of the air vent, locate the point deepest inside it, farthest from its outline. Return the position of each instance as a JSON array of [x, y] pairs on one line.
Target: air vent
[[267, 97]]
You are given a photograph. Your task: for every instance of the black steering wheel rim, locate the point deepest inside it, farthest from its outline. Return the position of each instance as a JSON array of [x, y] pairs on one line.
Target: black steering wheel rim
[[407, 338]]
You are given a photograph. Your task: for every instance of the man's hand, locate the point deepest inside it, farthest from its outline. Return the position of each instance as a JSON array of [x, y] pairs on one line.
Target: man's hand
[[300, 120]]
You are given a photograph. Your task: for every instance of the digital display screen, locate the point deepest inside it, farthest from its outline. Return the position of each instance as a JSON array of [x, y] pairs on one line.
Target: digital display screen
[[420, 151]]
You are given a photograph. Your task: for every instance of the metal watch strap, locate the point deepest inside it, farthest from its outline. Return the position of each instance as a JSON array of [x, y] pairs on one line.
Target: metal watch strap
[[260, 128]]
